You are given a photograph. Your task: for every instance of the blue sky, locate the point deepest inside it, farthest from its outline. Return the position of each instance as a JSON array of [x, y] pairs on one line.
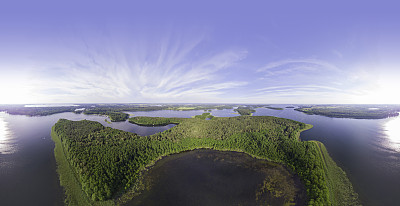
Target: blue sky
[[200, 52]]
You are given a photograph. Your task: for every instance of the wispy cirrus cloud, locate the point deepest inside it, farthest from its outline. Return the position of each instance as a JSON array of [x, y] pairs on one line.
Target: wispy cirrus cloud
[[312, 79], [289, 65], [169, 70], [277, 89]]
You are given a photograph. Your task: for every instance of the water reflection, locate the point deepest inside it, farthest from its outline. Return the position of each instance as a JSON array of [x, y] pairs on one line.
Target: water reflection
[[392, 130], [6, 144]]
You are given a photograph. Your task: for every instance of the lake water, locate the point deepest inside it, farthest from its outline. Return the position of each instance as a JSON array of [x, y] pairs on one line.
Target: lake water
[[368, 151], [185, 114], [27, 165]]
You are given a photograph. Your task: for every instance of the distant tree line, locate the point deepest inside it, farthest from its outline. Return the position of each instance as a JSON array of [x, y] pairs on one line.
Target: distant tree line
[[36, 111], [112, 110], [352, 111], [114, 116], [153, 121]]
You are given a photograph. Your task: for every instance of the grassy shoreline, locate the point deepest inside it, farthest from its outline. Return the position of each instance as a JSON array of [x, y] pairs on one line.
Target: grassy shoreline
[[340, 188], [68, 179]]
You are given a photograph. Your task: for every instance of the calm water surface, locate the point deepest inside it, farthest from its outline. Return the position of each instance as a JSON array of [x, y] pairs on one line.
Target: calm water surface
[[185, 114], [27, 165], [208, 177], [368, 150]]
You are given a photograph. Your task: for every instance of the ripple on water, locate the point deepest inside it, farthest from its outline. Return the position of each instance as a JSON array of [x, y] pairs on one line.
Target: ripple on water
[[7, 142], [392, 131]]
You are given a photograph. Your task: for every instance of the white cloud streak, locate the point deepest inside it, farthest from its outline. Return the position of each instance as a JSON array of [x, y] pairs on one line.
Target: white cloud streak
[[166, 71], [312, 80], [293, 64]]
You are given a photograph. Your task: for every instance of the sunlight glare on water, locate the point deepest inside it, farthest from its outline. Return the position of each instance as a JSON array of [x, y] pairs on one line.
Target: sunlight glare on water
[[6, 146], [392, 130]]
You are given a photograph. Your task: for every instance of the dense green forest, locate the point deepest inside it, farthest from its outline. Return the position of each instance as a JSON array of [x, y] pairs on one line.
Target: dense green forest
[[244, 111], [153, 121], [108, 162], [162, 121], [352, 111], [204, 116], [114, 116]]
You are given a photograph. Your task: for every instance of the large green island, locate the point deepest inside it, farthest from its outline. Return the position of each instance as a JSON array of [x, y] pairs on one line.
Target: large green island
[[99, 165], [352, 111]]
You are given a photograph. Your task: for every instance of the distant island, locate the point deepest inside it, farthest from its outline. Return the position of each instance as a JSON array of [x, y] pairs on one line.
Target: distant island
[[99, 165], [116, 112], [274, 108], [153, 121], [245, 110], [352, 111]]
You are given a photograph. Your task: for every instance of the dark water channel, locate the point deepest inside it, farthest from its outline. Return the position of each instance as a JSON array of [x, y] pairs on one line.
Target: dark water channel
[[368, 151]]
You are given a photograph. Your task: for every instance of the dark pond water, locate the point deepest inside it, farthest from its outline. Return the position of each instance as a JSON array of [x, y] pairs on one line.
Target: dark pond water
[[207, 177], [368, 151]]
